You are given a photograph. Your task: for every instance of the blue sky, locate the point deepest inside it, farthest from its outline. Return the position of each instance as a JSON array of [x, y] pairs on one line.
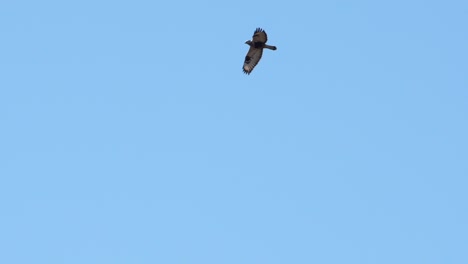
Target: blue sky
[[129, 133]]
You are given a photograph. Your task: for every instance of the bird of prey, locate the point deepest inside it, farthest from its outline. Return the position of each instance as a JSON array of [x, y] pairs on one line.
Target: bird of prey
[[257, 44]]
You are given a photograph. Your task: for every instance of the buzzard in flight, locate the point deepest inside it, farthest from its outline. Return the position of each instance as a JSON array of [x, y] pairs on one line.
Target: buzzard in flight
[[257, 44]]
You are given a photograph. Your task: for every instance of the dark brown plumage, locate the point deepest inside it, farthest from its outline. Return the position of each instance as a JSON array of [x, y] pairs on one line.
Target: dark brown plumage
[[257, 44]]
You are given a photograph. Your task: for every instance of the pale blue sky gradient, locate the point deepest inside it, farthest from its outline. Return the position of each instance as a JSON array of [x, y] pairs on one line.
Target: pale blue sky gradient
[[129, 133]]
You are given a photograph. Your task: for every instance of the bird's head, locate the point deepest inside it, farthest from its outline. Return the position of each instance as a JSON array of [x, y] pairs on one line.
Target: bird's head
[[248, 42]]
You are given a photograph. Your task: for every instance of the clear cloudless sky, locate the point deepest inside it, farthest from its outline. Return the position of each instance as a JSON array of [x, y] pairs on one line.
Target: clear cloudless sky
[[129, 133]]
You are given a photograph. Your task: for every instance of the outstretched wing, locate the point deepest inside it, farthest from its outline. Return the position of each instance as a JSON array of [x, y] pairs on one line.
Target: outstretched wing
[[259, 36], [251, 59]]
